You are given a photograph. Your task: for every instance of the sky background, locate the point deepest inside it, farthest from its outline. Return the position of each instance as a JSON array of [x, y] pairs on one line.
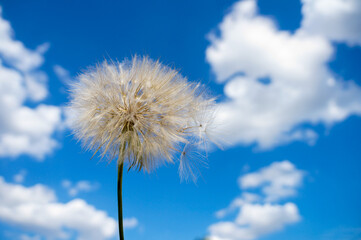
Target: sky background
[[288, 82]]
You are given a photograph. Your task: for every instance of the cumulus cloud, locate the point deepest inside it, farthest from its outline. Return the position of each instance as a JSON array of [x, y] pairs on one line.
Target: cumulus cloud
[[259, 214], [337, 20], [279, 180], [81, 186], [275, 81], [23, 129], [37, 210], [255, 220]]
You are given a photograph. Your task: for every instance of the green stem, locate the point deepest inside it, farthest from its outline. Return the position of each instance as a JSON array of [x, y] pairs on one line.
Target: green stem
[[120, 207]]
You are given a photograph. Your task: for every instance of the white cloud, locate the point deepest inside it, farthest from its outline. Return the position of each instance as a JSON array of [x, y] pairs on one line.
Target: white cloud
[[35, 83], [130, 222], [27, 237], [277, 181], [301, 90], [15, 52], [36, 209], [238, 203], [257, 216], [337, 20], [62, 74], [251, 43], [255, 220], [69, 117], [24, 130], [20, 177], [81, 186]]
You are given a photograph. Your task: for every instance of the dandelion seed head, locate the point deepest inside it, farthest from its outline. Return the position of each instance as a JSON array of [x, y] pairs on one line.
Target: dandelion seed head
[[139, 111]]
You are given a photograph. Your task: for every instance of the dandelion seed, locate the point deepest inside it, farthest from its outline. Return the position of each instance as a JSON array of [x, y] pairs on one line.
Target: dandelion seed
[[141, 113], [190, 161]]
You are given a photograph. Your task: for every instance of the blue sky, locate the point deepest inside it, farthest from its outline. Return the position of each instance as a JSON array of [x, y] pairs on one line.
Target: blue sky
[[288, 82]]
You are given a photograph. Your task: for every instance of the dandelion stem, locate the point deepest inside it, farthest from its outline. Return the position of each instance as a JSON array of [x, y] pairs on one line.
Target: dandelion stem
[[120, 205]]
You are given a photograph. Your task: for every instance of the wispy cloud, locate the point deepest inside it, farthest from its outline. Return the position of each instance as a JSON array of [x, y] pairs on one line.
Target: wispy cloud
[[276, 81], [344, 233], [78, 187], [130, 222], [62, 74], [261, 214], [28, 237], [20, 177]]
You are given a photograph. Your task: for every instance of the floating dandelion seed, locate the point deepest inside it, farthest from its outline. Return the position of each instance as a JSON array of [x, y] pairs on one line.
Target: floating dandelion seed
[[140, 112]]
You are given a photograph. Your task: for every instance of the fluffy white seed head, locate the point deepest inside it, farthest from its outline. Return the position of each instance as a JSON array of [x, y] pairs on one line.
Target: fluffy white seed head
[[141, 112]]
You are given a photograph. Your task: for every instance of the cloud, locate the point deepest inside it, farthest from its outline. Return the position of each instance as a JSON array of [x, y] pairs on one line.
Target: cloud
[[278, 84], [36, 209], [81, 186], [344, 233], [62, 74], [237, 203], [15, 52], [27, 237], [130, 222], [277, 181], [20, 177], [337, 20], [255, 220], [24, 129], [260, 215]]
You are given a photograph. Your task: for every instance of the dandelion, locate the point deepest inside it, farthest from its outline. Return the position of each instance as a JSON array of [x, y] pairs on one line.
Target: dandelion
[[141, 113]]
